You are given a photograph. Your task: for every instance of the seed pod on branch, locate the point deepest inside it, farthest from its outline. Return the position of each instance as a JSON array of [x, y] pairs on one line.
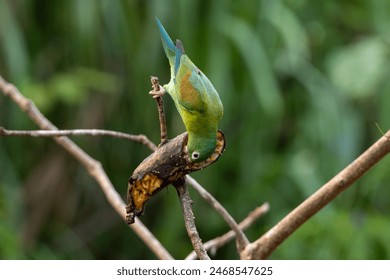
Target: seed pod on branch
[[168, 164]]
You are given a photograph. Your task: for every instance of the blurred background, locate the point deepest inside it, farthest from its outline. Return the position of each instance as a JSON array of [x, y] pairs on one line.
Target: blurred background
[[303, 84]]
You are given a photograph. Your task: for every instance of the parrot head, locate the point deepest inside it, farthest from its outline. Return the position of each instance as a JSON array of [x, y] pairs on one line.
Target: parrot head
[[200, 149]]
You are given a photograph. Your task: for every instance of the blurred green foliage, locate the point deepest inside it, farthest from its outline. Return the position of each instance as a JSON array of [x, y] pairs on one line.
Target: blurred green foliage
[[302, 82]]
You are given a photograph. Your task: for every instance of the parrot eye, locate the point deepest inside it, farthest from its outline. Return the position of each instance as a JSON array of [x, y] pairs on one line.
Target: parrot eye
[[195, 155]]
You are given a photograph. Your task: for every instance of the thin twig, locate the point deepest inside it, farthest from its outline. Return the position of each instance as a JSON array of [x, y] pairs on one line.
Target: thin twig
[[266, 244], [379, 128], [93, 167], [141, 139], [189, 220], [242, 240], [158, 92], [220, 241]]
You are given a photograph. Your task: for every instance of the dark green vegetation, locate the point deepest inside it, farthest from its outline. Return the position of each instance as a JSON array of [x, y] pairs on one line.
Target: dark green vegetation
[[302, 82]]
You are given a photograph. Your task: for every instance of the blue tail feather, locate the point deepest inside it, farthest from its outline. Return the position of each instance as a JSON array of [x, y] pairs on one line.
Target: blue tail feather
[[167, 42]]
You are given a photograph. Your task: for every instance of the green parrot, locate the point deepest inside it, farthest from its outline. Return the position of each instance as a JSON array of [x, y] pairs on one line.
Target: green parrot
[[195, 98]]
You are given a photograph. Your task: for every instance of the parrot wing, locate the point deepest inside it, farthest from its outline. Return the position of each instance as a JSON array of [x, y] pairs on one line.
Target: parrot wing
[[189, 86], [189, 81]]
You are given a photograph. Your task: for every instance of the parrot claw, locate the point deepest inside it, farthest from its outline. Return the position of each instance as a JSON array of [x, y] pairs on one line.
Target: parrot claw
[[159, 93]]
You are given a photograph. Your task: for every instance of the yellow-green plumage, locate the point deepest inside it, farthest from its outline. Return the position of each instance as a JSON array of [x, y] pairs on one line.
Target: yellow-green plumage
[[195, 98]]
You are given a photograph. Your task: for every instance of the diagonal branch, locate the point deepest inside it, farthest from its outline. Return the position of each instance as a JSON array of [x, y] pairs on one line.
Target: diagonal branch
[[242, 240], [266, 244], [220, 241], [93, 167]]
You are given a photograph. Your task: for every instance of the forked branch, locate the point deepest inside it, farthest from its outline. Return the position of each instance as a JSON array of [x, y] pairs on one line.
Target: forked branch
[[220, 241]]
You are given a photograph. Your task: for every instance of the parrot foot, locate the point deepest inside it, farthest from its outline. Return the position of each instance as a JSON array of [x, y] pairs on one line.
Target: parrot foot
[[158, 93]]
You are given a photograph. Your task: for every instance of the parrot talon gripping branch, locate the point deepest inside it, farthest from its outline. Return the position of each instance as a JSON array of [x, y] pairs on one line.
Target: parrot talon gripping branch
[[200, 108], [159, 93]]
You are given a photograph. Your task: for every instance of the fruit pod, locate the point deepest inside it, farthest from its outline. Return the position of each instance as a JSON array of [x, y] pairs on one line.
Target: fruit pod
[[166, 165]]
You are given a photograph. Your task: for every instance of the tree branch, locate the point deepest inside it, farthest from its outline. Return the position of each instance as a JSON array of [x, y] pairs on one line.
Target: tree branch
[[266, 244], [141, 139], [93, 167], [242, 240], [220, 241], [157, 93], [189, 220]]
